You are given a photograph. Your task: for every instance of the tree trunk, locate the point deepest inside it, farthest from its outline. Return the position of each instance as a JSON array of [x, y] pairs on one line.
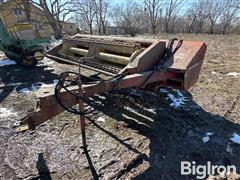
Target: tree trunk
[[224, 29], [212, 28], [153, 28], [51, 19], [55, 26], [167, 27], [190, 29], [91, 29], [103, 27]]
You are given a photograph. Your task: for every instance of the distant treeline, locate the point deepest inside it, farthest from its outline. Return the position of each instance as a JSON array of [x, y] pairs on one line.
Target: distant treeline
[[156, 16], [137, 16]]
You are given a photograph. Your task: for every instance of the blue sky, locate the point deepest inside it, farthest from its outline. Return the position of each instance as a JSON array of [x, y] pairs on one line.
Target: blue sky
[[113, 3]]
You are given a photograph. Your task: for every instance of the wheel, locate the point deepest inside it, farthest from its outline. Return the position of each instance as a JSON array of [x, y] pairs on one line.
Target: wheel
[[31, 59], [17, 60], [28, 63]]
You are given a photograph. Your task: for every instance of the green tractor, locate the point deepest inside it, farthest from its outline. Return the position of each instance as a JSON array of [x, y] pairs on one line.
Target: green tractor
[[22, 44]]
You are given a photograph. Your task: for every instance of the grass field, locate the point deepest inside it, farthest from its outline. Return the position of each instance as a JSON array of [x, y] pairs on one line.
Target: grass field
[[140, 135]]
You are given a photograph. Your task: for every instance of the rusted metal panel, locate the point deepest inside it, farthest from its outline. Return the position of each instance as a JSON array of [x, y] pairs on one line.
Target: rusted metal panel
[[149, 57], [194, 68], [185, 57]]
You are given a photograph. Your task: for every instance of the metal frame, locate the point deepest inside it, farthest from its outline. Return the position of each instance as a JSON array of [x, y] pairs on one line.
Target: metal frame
[[180, 71]]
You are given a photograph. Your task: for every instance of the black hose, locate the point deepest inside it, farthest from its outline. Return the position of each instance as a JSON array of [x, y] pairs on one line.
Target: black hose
[[169, 53], [60, 85]]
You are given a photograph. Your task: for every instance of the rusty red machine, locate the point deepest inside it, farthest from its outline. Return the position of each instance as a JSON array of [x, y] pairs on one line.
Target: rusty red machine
[[130, 62]]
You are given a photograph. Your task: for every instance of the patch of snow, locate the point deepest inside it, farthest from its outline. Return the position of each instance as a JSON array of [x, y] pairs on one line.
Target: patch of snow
[[179, 93], [163, 90], [55, 43], [17, 123], [177, 101], [24, 90], [13, 84], [235, 74], [49, 68], [235, 138], [151, 110], [48, 85], [206, 138], [55, 81], [4, 112], [46, 61], [229, 149], [209, 133], [36, 86], [6, 62], [101, 119]]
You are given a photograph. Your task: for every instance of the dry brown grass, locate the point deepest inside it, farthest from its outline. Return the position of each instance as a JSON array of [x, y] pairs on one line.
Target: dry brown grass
[[140, 148]]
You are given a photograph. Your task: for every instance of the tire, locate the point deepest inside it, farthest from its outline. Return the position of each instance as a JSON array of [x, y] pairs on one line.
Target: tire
[[25, 61], [36, 56], [28, 63], [17, 61]]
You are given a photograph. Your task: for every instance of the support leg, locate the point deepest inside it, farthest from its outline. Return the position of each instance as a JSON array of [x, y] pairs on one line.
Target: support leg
[[81, 109]]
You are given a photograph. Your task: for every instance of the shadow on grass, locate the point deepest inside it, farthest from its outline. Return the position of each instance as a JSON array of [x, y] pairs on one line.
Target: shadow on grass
[[43, 171], [175, 134], [91, 166], [15, 77]]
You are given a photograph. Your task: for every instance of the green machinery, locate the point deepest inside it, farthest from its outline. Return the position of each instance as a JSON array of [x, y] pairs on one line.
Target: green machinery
[[23, 50]]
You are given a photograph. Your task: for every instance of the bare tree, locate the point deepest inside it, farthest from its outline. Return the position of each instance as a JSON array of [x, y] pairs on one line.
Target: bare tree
[[153, 9], [229, 15], [214, 10], [87, 12], [197, 15], [172, 10], [55, 11], [116, 14], [129, 17], [101, 15]]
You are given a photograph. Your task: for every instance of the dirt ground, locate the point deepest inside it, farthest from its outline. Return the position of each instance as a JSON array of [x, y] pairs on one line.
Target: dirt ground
[[139, 135]]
